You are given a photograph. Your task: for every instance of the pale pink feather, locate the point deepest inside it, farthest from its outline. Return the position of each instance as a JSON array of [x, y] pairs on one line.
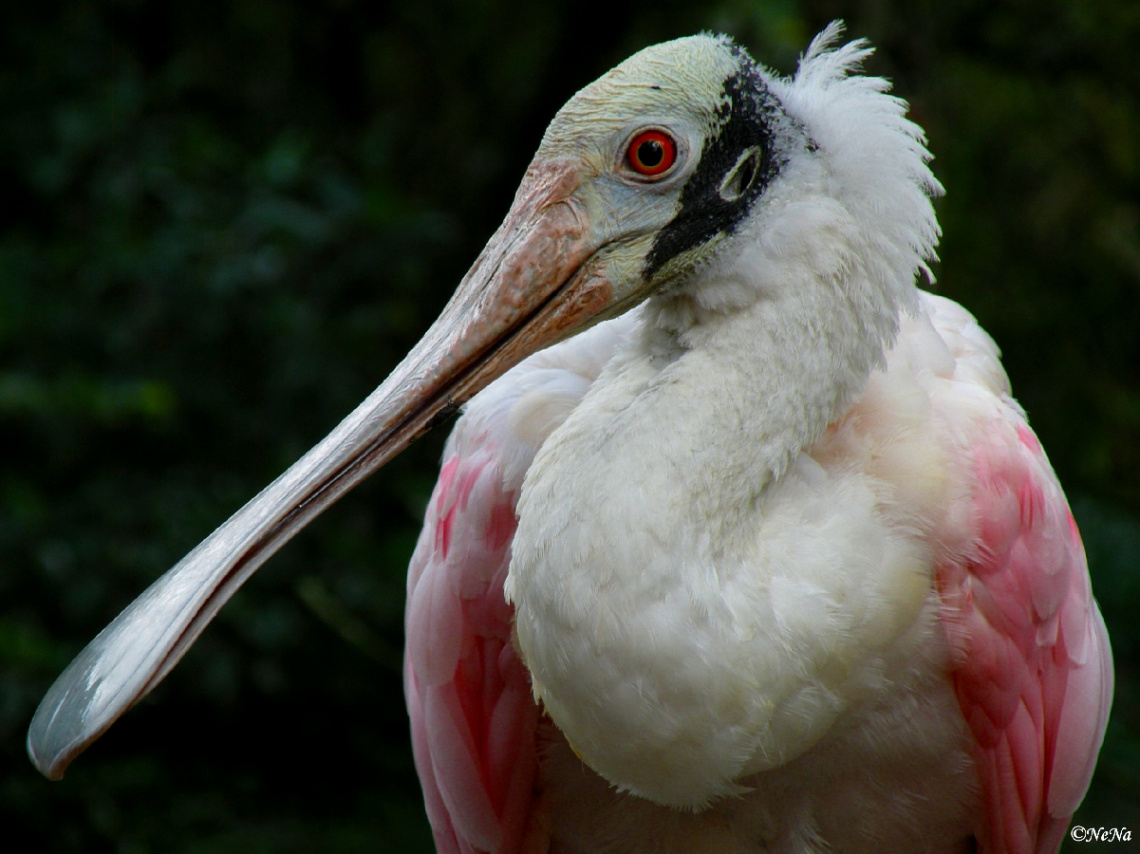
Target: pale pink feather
[[1032, 665], [469, 698]]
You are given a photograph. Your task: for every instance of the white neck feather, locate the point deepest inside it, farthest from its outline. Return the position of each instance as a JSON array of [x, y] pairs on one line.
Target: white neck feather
[[792, 323], [647, 505]]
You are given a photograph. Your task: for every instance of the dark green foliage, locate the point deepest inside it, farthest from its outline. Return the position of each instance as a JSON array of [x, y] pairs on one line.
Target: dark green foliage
[[221, 224]]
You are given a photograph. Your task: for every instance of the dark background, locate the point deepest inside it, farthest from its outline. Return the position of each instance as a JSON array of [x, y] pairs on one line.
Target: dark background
[[221, 224]]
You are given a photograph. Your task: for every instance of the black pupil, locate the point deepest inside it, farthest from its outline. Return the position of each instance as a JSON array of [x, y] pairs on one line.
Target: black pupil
[[650, 153]]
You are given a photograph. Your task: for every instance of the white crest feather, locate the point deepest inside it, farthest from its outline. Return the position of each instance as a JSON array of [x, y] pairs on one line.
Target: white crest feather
[[877, 157]]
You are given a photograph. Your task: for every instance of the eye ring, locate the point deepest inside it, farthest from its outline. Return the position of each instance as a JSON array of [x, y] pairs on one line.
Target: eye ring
[[651, 153]]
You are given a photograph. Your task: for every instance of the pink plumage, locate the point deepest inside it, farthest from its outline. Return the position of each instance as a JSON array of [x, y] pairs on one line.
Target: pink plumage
[[473, 718], [1032, 664]]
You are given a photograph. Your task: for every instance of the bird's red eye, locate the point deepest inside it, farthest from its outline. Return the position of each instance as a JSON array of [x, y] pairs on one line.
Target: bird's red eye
[[651, 153]]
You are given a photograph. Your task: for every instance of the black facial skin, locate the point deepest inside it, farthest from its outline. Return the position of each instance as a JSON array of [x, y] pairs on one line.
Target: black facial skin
[[745, 119]]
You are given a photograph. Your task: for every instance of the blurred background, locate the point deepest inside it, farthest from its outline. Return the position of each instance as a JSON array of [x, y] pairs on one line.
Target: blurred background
[[223, 223]]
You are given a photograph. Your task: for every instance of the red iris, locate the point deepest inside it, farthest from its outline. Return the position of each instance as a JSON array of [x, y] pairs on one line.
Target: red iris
[[651, 153]]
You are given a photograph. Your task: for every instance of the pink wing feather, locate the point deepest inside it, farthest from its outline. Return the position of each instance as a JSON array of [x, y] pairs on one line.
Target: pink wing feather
[[469, 697], [1032, 664]]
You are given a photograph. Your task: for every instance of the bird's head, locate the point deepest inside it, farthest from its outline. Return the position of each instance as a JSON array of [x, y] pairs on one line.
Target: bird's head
[[688, 156], [661, 169], [666, 155], [636, 184]]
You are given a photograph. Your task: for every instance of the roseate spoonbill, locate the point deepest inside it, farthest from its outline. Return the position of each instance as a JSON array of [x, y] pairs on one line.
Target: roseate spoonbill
[[769, 561]]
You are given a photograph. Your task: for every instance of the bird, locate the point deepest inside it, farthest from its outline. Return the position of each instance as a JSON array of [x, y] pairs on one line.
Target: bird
[[741, 543]]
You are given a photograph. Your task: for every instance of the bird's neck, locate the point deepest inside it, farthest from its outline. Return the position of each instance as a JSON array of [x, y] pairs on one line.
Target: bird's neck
[[779, 349], [641, 564]]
